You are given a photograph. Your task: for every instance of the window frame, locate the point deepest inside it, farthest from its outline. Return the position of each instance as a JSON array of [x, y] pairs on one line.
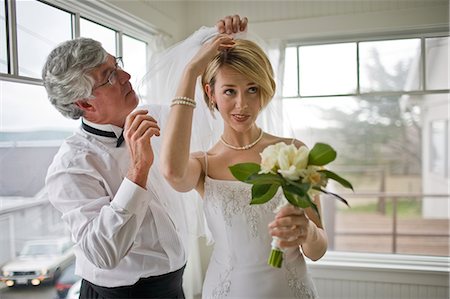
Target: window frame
[[371, 38], [97, 12], [336, 259]]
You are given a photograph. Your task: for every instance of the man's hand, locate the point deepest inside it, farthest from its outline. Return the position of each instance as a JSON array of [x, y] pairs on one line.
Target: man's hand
[[138, 131], [232, 24]]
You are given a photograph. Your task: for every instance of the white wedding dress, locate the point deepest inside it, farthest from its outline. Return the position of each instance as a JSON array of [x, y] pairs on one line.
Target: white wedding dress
[[238, 267]]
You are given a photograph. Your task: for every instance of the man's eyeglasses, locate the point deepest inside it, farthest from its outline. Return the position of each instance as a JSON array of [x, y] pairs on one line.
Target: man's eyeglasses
[[112, 78]]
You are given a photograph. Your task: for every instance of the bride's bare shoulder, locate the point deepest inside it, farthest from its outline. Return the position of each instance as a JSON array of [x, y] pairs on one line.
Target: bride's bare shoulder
[[275, 139]]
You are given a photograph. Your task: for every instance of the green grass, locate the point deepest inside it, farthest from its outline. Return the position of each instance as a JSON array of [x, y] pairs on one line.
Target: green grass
[[405, 208]]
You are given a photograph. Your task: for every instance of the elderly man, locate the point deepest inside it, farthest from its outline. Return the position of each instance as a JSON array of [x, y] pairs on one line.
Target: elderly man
[[127, 243]]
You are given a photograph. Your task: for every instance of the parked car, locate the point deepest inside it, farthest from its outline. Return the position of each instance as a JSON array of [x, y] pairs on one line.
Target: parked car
[[39, 261], [66, 281]]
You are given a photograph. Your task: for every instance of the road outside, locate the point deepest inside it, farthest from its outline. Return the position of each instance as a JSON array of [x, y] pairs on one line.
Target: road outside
[[46, 291]]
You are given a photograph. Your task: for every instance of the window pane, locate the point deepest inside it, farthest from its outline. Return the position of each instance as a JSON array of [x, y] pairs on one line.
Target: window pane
[[390, 65], [437, 63], [100, 33], [37, 36], [134, 59], [438, 148], [26, 114], [327, 69], [379, 144], [3, 56], [290, 79]]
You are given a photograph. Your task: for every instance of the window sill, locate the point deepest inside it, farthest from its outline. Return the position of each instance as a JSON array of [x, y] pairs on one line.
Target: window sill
[[393, 268]]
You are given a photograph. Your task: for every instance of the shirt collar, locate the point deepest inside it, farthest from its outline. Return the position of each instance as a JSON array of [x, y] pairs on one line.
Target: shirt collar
[[105, 127]]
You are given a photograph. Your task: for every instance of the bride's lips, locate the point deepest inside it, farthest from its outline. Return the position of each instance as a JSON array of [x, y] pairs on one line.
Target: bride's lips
[[240, 117]]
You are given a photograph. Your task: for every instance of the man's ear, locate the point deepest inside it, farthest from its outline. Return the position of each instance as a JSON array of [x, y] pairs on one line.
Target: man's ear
[[84, 105]]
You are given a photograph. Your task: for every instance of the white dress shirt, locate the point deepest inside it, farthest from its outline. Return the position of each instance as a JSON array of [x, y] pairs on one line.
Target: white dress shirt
[[121, 231]]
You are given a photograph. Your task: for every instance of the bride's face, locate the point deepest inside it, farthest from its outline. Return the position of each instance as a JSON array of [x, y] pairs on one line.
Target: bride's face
[[237, 98]]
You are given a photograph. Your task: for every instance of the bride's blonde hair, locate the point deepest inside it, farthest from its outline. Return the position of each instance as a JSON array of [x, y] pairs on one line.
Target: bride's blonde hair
[[247, 58]]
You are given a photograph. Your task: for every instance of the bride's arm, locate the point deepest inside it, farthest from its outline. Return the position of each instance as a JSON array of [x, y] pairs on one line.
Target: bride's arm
[[300, 227], [316, 241], [180, 170]]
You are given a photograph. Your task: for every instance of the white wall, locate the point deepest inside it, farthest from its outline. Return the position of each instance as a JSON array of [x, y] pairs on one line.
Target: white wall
[[294, 19]]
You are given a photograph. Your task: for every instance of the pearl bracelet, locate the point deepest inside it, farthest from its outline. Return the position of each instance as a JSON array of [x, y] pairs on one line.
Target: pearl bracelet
[[184, 99], [181, 102]]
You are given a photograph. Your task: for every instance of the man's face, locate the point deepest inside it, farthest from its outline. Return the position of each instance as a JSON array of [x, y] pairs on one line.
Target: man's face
[[112, 102]]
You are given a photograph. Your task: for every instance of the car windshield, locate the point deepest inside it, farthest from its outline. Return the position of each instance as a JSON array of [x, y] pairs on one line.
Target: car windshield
[[40, 249]]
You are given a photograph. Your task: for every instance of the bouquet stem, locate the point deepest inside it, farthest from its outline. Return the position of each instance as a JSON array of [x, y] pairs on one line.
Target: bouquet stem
[[276, 254], [275, 258]]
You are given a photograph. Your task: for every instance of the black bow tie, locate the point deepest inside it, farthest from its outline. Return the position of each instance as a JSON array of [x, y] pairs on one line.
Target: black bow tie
[[95, 131]]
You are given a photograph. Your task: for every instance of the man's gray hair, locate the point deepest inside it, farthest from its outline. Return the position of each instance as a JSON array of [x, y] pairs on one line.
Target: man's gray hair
[[65, 73]]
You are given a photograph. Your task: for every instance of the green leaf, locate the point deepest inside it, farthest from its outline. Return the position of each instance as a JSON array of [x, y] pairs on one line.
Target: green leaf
[[263, 193], [321, 154], [337, 178], [296, 196], [265, 178], [303, 201], [303, 186], [242, 171], [334, 194]]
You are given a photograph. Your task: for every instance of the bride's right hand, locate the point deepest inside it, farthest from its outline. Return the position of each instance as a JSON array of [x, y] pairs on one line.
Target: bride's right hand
[[199, 62]]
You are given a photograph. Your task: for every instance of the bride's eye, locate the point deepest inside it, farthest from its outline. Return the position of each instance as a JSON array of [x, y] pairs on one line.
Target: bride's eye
[[229, 92], [253, 89]]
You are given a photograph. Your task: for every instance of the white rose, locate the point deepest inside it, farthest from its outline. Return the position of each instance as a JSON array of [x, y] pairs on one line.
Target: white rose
[[301, 158], [286, 161], [292, 161], [269, 158]]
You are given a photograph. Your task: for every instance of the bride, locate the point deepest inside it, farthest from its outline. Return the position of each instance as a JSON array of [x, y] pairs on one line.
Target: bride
[[237, 81]]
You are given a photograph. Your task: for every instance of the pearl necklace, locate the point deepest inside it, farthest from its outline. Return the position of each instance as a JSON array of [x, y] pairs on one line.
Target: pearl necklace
[[245, 147]]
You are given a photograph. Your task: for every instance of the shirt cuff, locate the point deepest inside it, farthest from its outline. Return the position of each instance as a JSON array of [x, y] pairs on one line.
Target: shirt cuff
[[130, 197]]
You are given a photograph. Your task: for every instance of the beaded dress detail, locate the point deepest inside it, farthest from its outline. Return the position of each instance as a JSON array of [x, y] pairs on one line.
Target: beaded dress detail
[[238, 266]]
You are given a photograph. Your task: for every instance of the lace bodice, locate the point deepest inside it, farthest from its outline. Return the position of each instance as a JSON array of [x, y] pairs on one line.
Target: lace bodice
[[238, 266]]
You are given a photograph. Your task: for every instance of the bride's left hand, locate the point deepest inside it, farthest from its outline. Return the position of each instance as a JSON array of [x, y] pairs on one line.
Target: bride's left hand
[[207, 52], [232, 24], [291, 226]]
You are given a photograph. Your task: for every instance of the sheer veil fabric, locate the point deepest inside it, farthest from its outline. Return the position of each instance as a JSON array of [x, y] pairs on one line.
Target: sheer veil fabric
[[158, 88]]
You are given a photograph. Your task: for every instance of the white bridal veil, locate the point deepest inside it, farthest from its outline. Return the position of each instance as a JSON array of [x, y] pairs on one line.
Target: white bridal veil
[[157, 90]]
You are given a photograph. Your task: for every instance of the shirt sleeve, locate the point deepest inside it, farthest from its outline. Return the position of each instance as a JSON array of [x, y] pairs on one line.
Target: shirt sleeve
[[104, 226]]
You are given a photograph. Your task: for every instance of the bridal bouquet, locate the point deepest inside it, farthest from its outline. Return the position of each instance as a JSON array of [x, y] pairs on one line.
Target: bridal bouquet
[[299, 172]]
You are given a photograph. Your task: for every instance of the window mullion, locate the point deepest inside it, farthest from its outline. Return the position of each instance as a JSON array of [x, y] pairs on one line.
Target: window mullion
[[358, 86], [119, 43], [298, 71], [423, 63], [76, 25], [13, 66]]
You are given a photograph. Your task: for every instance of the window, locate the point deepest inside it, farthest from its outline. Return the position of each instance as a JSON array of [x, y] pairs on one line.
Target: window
[[372, 101], [26, 113], [36, 37], [332, 65], [134, 51], [101, 33], [438, 147], [31, 129], [392, 65], [437, 73]]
